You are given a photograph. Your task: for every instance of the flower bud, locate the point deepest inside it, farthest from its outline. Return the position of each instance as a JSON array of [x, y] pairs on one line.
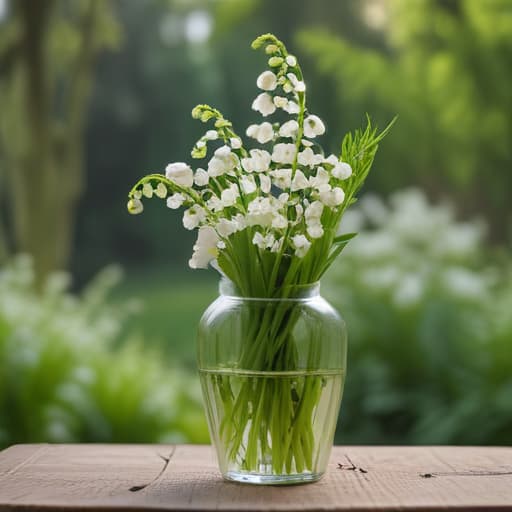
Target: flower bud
[[275, 62], [135, 206], [271, 48]]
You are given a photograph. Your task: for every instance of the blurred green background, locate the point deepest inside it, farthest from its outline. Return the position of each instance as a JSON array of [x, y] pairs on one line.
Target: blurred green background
[[98, 309]]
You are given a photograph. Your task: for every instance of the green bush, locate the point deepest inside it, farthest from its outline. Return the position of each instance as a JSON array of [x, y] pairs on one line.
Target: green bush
[[64, 377], [430, 328]]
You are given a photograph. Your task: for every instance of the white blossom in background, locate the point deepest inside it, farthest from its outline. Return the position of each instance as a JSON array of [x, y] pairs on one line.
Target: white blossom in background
[[180, 173]]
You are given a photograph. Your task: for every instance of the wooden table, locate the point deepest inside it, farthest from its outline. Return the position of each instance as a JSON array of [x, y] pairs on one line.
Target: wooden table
[[185, 477]]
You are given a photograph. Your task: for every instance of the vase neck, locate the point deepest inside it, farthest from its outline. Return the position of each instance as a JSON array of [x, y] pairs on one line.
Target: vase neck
[[301, 291]]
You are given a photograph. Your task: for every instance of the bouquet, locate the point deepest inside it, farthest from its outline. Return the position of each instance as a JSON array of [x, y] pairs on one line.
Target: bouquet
[[267, 219]]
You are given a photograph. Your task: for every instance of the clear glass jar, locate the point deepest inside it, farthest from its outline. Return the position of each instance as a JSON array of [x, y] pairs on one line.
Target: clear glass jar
[[272, 373]]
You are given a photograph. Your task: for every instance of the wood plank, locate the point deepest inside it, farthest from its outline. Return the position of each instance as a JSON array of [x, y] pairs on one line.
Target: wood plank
[[185, 477]]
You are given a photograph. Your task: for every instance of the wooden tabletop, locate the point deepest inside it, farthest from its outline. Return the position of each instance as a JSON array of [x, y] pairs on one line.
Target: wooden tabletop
[[185, 477]]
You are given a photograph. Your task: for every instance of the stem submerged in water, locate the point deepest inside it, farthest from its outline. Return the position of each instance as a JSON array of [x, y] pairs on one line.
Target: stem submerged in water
[[268, 420]]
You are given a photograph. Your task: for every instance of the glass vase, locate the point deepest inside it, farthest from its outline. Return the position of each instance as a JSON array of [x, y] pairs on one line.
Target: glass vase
[[272, 372]]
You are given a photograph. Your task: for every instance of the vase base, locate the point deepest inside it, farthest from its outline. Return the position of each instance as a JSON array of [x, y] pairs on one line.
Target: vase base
[[255, 479]]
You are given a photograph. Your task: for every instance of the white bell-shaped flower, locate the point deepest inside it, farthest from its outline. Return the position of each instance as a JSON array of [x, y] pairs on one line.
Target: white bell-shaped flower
[[282, 178], [341, 171], [230, 195], [235, 142], [299, 181], [315, 230], [205, 248], [226, 227], [264, 104], [180, 173], [258, 161], [301, 244], [292, 107], [313, 126], [309, 158], [135, 206], [248, 184], [193, 217], [321, 178], [222, 162], [147, 190], [331, 197], [279, 221], [298, 85], [267, 81], [313, 212], [201, 177], [161, 191], [263, 132], [289, 129], [175, 201], [284, 153], [211, 135], [265, 183]]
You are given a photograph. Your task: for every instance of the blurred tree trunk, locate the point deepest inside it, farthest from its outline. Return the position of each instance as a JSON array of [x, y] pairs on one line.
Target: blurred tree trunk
[[47, 73]]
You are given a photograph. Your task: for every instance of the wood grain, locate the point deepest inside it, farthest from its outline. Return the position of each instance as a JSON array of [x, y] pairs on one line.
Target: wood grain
[[185, 477]]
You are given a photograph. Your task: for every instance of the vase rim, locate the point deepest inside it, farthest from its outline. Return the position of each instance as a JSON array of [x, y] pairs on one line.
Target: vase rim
[[289, 293]]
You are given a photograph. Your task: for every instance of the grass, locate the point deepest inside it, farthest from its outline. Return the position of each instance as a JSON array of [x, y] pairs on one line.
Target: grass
[[169, 306]]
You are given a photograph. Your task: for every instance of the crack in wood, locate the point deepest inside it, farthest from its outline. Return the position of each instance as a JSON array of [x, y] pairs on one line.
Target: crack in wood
[[166, 460], [466, 473], [351, 467]]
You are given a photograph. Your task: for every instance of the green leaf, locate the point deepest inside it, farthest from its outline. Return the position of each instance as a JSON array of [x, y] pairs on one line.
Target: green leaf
[[343, 239]]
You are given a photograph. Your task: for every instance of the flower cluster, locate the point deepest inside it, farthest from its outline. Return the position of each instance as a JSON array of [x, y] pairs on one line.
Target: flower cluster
[[284, 194]]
